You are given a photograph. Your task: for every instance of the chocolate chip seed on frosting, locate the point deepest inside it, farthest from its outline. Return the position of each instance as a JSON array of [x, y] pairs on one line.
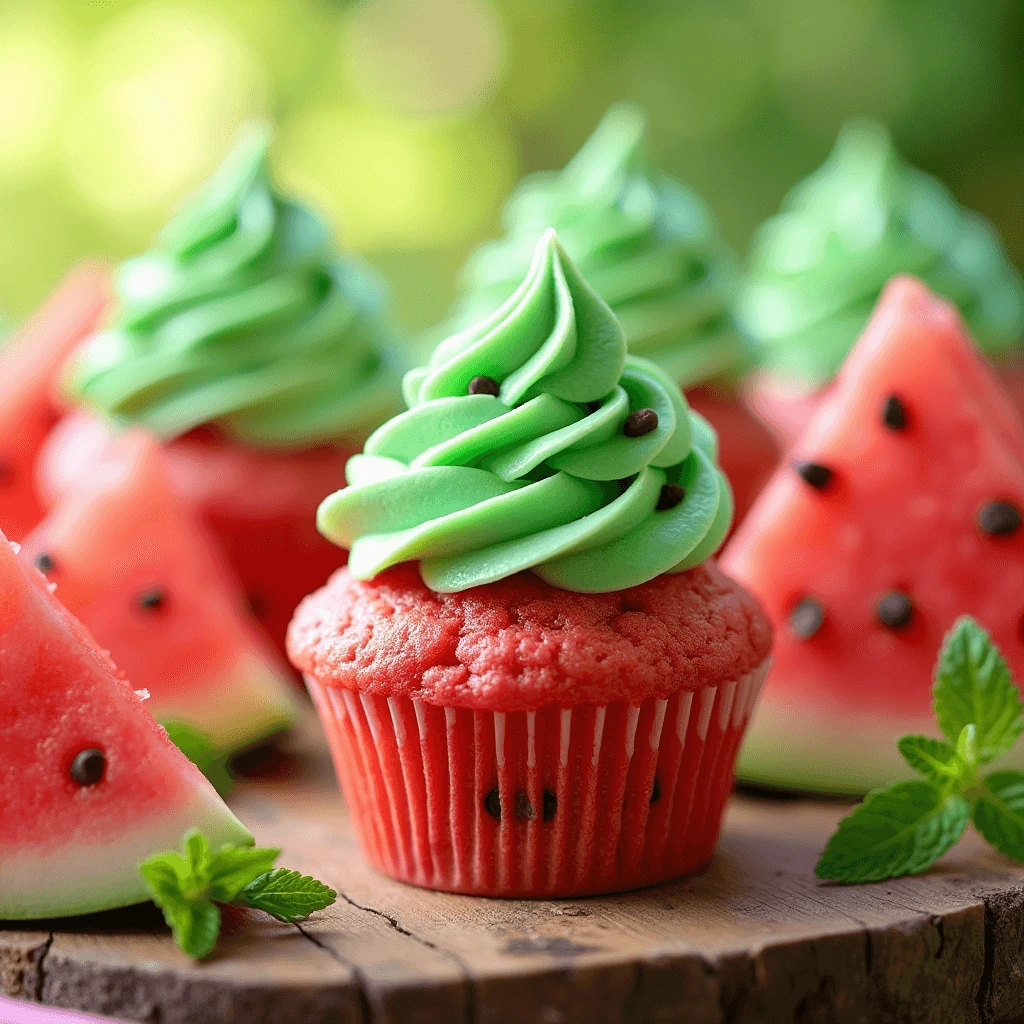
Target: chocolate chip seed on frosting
[[807, 618], [894, 415], [814, 474], [894, 609], [999, 518]]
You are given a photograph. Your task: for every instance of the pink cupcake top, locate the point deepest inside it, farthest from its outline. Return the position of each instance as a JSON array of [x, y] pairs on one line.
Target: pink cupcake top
[[518, 644]]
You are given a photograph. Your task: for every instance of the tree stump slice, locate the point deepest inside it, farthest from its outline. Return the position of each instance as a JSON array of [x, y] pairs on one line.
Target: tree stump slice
[[756, 937]]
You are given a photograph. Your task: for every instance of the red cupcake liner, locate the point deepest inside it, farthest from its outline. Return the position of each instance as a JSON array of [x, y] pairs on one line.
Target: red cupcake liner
[[553, 802]]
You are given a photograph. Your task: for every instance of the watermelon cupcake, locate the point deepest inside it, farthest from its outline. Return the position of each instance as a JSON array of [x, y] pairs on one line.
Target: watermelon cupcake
[[651, 249], [551, 702], [261, 355], [817, 268]]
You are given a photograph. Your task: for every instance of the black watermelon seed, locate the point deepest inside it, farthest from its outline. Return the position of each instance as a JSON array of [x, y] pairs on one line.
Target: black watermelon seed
[[152, 600], [894, 416], [807, 618], [550, 805], [45, 562], [484, 386], [999, 518], [492, 804], [655, 791], [894, 609], [815, 474], [88, 767], [257, 604], [640, 422], [670, 496], [524, 809]]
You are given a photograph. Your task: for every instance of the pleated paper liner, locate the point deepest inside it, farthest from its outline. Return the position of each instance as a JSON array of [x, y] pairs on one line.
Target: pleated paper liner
[[553, 802]]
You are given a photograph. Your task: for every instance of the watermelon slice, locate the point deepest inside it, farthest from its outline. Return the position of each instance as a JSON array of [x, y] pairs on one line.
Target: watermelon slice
[[130, 559], [28, 367], [89, 785], [901, 510]]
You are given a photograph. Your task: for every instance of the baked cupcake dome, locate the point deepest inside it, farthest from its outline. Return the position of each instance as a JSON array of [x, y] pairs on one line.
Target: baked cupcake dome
[[505, 714]]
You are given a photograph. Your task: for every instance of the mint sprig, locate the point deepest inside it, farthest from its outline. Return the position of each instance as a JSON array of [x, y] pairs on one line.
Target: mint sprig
[[904, 828], [188, 887]]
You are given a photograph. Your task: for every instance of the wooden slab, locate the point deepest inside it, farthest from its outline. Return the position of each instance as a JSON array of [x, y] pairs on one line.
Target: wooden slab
[[754, 938]]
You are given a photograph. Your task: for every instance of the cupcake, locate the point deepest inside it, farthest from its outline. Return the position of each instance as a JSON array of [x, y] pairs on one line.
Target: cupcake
[[551, 701], [261, 356], [817, 269], [651, 249]]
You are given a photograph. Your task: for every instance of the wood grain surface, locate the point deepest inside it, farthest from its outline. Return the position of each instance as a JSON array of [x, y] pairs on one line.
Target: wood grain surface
[[754, 938]]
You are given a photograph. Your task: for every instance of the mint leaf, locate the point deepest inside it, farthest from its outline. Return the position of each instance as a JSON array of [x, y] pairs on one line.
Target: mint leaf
[[178, 887], [901, 830], [234, 867], [973, 686], [288, 895], [195, 925], [202, 752], [999, 812], [937, 760]]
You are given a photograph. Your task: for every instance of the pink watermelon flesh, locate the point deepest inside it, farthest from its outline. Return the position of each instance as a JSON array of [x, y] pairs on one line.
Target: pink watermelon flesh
[[901, 513], [29, 365], [68, 847], [129, 558]]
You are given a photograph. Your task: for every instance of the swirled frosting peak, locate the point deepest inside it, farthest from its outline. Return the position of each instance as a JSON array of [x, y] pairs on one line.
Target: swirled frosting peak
[[244, 314], [818, 267], [647, 244], [532, 441]]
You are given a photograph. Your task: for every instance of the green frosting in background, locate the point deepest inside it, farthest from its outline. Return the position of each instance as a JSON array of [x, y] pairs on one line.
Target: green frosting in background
[[647, 244], [817, 268], [244, 314], [540, 476]]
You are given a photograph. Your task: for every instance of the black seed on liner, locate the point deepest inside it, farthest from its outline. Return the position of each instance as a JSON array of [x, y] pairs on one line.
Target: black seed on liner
[[999, 518], [492, 804], [894, 416], [550, 805], [814, 474], [894, 609], [88, 767], [484, 386], [524, 809], [152, 600], [670, 496], [807, 618], [45, 562], [640, 422], [655, 791]]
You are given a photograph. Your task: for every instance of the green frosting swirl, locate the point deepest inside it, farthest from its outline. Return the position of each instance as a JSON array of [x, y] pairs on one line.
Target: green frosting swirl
[[540, 476], [818, 267], [245, 315], [647, 244]]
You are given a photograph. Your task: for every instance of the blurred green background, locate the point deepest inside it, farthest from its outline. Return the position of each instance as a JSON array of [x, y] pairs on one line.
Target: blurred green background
[[408, 120]]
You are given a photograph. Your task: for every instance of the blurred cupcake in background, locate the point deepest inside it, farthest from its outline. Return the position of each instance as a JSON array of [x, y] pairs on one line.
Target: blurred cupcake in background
[[817, 268], [552, 701], [650, 248], [260, 354]]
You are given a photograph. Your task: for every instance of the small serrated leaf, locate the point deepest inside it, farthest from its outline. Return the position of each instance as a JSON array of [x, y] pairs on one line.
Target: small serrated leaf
[[234, 867], [288, 895], [935, 759], [999, 812], [973, 686], [195, 925], [901, 830]]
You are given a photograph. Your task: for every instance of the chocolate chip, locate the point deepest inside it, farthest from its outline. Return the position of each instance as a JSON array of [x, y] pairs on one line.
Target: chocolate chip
[[655, 791], [814, 473], [152, 600], [894, 416], [894, 609], [484, 386], [806, 618], [640, 422], [88, 767], [550, 805], [999, 518], [524, 809], [670, 496], [492, 804], [45, 562]]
